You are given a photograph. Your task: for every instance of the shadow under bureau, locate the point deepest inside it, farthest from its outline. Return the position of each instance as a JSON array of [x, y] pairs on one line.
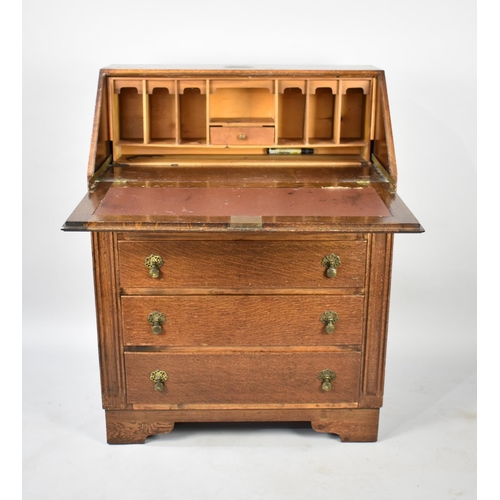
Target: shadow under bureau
[[242, 227]]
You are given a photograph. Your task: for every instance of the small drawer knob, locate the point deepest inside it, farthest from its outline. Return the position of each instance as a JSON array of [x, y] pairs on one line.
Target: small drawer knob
[[156, 320], [159, 377], [242, 137], [329, 318], [154, 262], [331, 262], [326, 377]]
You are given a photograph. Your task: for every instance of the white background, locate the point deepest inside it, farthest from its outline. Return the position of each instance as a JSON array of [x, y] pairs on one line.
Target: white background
[[427, 439]]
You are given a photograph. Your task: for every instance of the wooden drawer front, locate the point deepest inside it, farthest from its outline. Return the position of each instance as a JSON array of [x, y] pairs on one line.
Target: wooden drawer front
[[241, 136], [242, 264], [238, 320], [242, 377]]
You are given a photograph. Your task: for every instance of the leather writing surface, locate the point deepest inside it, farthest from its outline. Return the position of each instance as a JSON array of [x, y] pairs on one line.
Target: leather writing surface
[[306, 202]]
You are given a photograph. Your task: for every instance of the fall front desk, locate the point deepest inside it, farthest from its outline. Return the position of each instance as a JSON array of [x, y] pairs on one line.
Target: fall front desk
[[242, 225]]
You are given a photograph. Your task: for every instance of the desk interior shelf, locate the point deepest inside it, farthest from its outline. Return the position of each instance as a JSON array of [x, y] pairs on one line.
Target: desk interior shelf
[[325, 113]]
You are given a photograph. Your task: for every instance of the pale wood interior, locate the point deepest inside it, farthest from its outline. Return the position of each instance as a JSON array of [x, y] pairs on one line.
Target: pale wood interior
[[353, 115], [192, 117], [292, 115], [242, 103], [319, 113], [162, 115], [130, 115]]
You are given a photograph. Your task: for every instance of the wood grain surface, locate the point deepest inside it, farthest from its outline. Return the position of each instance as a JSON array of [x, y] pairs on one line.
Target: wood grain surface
[[245, 377], [134, 426], [242, 264], [242, 320]]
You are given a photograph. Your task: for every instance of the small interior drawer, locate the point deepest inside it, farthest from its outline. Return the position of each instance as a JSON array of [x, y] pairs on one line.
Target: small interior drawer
[[242, 377], [241, 136]]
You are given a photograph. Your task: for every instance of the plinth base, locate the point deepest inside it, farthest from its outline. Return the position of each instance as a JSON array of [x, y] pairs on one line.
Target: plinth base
[[134, 426]]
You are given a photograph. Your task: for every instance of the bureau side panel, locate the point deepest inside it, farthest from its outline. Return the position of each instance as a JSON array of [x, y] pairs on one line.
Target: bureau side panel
[[108, 321], [378, 280]]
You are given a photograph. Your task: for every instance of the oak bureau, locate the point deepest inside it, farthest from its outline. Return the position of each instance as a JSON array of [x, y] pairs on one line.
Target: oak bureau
[[242, 225]]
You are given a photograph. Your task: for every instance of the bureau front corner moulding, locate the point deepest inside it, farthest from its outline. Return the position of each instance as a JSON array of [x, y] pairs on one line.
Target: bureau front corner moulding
[[242, 225]]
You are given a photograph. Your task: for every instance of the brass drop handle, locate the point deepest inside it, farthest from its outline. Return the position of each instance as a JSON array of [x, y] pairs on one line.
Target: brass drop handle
[[329, 318], [327, 377], [154, 262], [331, 262], [156, 320], [159, 377], [242, 137]]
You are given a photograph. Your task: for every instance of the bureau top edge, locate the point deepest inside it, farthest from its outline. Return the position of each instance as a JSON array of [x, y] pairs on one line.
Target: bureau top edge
[[239, 69]]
